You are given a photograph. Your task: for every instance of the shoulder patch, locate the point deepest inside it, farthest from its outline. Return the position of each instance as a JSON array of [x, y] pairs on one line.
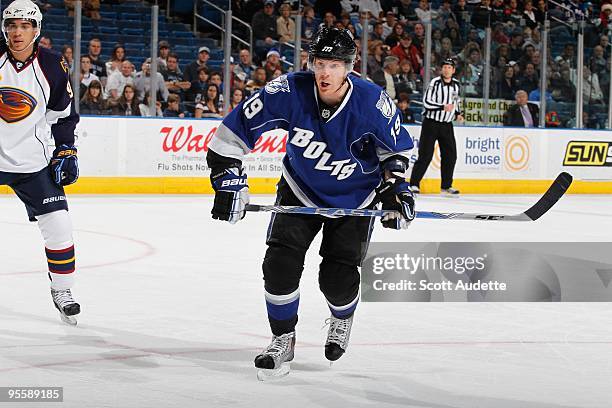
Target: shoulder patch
[[386, 106], [280, 84], [64, 65]]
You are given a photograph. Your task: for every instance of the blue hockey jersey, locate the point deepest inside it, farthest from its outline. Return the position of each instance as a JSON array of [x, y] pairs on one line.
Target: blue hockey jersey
[[333, 162]]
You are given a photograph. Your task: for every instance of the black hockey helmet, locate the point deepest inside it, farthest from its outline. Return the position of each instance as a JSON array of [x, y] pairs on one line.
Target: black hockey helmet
[[333, 43]]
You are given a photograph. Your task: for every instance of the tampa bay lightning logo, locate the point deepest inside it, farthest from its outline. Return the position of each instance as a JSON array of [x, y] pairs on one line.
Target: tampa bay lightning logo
[[15, 104], [280, 84], [386, 106]]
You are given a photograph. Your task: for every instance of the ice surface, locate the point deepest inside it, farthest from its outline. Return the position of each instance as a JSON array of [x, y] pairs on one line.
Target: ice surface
[[173, 315]]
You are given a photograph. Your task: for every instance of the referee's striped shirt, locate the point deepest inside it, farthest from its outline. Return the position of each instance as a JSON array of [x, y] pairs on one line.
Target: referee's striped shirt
[[437, 95]]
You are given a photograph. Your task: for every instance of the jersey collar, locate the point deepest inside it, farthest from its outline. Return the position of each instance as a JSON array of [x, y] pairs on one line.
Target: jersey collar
[[342, 105], [18, 65]]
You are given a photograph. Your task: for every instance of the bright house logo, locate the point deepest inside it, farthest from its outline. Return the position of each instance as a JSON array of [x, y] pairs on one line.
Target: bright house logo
[[483, 152]]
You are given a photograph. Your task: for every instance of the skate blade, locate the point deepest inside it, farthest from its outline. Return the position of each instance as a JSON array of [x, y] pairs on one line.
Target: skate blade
[[70, 320], [275, 374]]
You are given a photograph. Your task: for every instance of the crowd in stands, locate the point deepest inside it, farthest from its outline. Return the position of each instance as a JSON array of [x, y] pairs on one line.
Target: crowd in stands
[[395, 54]]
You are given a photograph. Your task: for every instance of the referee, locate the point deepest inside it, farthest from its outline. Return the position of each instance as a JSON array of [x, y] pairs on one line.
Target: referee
[[441, 107]]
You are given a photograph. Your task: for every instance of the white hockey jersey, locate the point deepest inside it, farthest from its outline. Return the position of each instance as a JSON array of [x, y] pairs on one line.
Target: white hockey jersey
[[35, 97]]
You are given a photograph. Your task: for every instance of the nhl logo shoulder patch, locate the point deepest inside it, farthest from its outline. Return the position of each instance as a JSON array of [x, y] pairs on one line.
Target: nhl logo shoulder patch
[[280, 84], [386, 106]]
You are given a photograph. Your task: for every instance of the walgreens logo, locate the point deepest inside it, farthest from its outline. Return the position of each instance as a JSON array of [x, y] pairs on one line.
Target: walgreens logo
[[186, 139]]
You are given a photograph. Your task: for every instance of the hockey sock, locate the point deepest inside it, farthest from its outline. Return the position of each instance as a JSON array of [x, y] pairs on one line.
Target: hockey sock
[[282, 311], [56, 230], [345, 311]]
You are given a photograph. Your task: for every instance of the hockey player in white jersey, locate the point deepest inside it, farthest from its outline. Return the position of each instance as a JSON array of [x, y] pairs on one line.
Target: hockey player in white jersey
[[345, 148], [35, 98]]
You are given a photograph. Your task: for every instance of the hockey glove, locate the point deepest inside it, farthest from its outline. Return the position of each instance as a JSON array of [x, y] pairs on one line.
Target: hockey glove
[[64, 165], [231, 194], [395, 195]]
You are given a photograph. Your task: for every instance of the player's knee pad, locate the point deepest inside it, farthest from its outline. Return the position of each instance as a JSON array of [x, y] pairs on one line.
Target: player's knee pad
[[339, 282], [56, 229], [282, 269]]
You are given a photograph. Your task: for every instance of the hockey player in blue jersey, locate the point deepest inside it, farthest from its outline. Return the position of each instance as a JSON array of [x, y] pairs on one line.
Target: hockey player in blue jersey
[[345, 148], [35, 98]]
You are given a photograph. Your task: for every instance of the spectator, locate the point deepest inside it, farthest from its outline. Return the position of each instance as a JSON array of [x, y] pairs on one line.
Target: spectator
[[568, 56], [534, 96], [523, 114], [91, 7], [563, 90], [209, 106], [117, 57], [162, 59], [389, 25], [377, 33], [424, 12], [127, 104], [240, 83], [309, 24], [529, 80], [175, 82], [461, 12], [513, 13], [403, 107], [516, 46], [142, 82], [93, 103], [406, 50], [329, 20], [272, 63], [407, 79], [264, 27], [483, 15], [419, 37], [191, 71], [196, 91], [376, 56], [598, 63], [540, 12], [529, 14], [436, 40], [173, 110], [395, 36], [245, 65], [387, 78], [446, 48], [591, 91], [303, 60], [236, 99], [97, 66], [86, 76], [604, 42], [145, 111], [68, 56], [285, 26], [507, 87], [45, 42], [258, 81], [118, 80]]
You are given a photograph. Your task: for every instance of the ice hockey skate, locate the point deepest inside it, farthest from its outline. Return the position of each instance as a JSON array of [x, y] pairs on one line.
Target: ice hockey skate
[[65, 304], [337, 337], [274, 361]]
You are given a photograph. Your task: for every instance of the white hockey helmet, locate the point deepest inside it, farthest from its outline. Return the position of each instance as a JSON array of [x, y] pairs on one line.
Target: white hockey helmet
[[22, 10]]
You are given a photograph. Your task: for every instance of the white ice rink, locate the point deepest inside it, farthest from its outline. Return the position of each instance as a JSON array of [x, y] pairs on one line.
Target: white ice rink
[[173, 315]]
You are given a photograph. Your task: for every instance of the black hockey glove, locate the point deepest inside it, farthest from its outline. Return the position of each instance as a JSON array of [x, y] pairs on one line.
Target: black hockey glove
[[231, 194], [64, 165], [395, 194]]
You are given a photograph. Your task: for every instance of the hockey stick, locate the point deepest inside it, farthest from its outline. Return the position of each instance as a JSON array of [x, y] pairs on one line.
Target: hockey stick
[[545, 203]]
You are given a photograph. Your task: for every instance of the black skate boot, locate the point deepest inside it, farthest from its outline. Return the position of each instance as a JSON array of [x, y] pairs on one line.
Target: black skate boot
[[337, 337], [65, 304], [273, 362]]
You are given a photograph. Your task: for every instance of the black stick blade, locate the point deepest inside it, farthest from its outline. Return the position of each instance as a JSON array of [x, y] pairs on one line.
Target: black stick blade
[[550, 198]]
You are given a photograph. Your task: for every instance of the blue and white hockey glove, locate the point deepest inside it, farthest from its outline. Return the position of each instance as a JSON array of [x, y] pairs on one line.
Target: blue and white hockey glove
[[395, 195], [231, 194], [64, 165]]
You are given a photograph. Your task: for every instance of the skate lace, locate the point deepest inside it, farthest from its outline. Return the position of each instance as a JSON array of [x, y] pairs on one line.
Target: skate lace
[[62, 297], [279, 345], [339, 330]]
